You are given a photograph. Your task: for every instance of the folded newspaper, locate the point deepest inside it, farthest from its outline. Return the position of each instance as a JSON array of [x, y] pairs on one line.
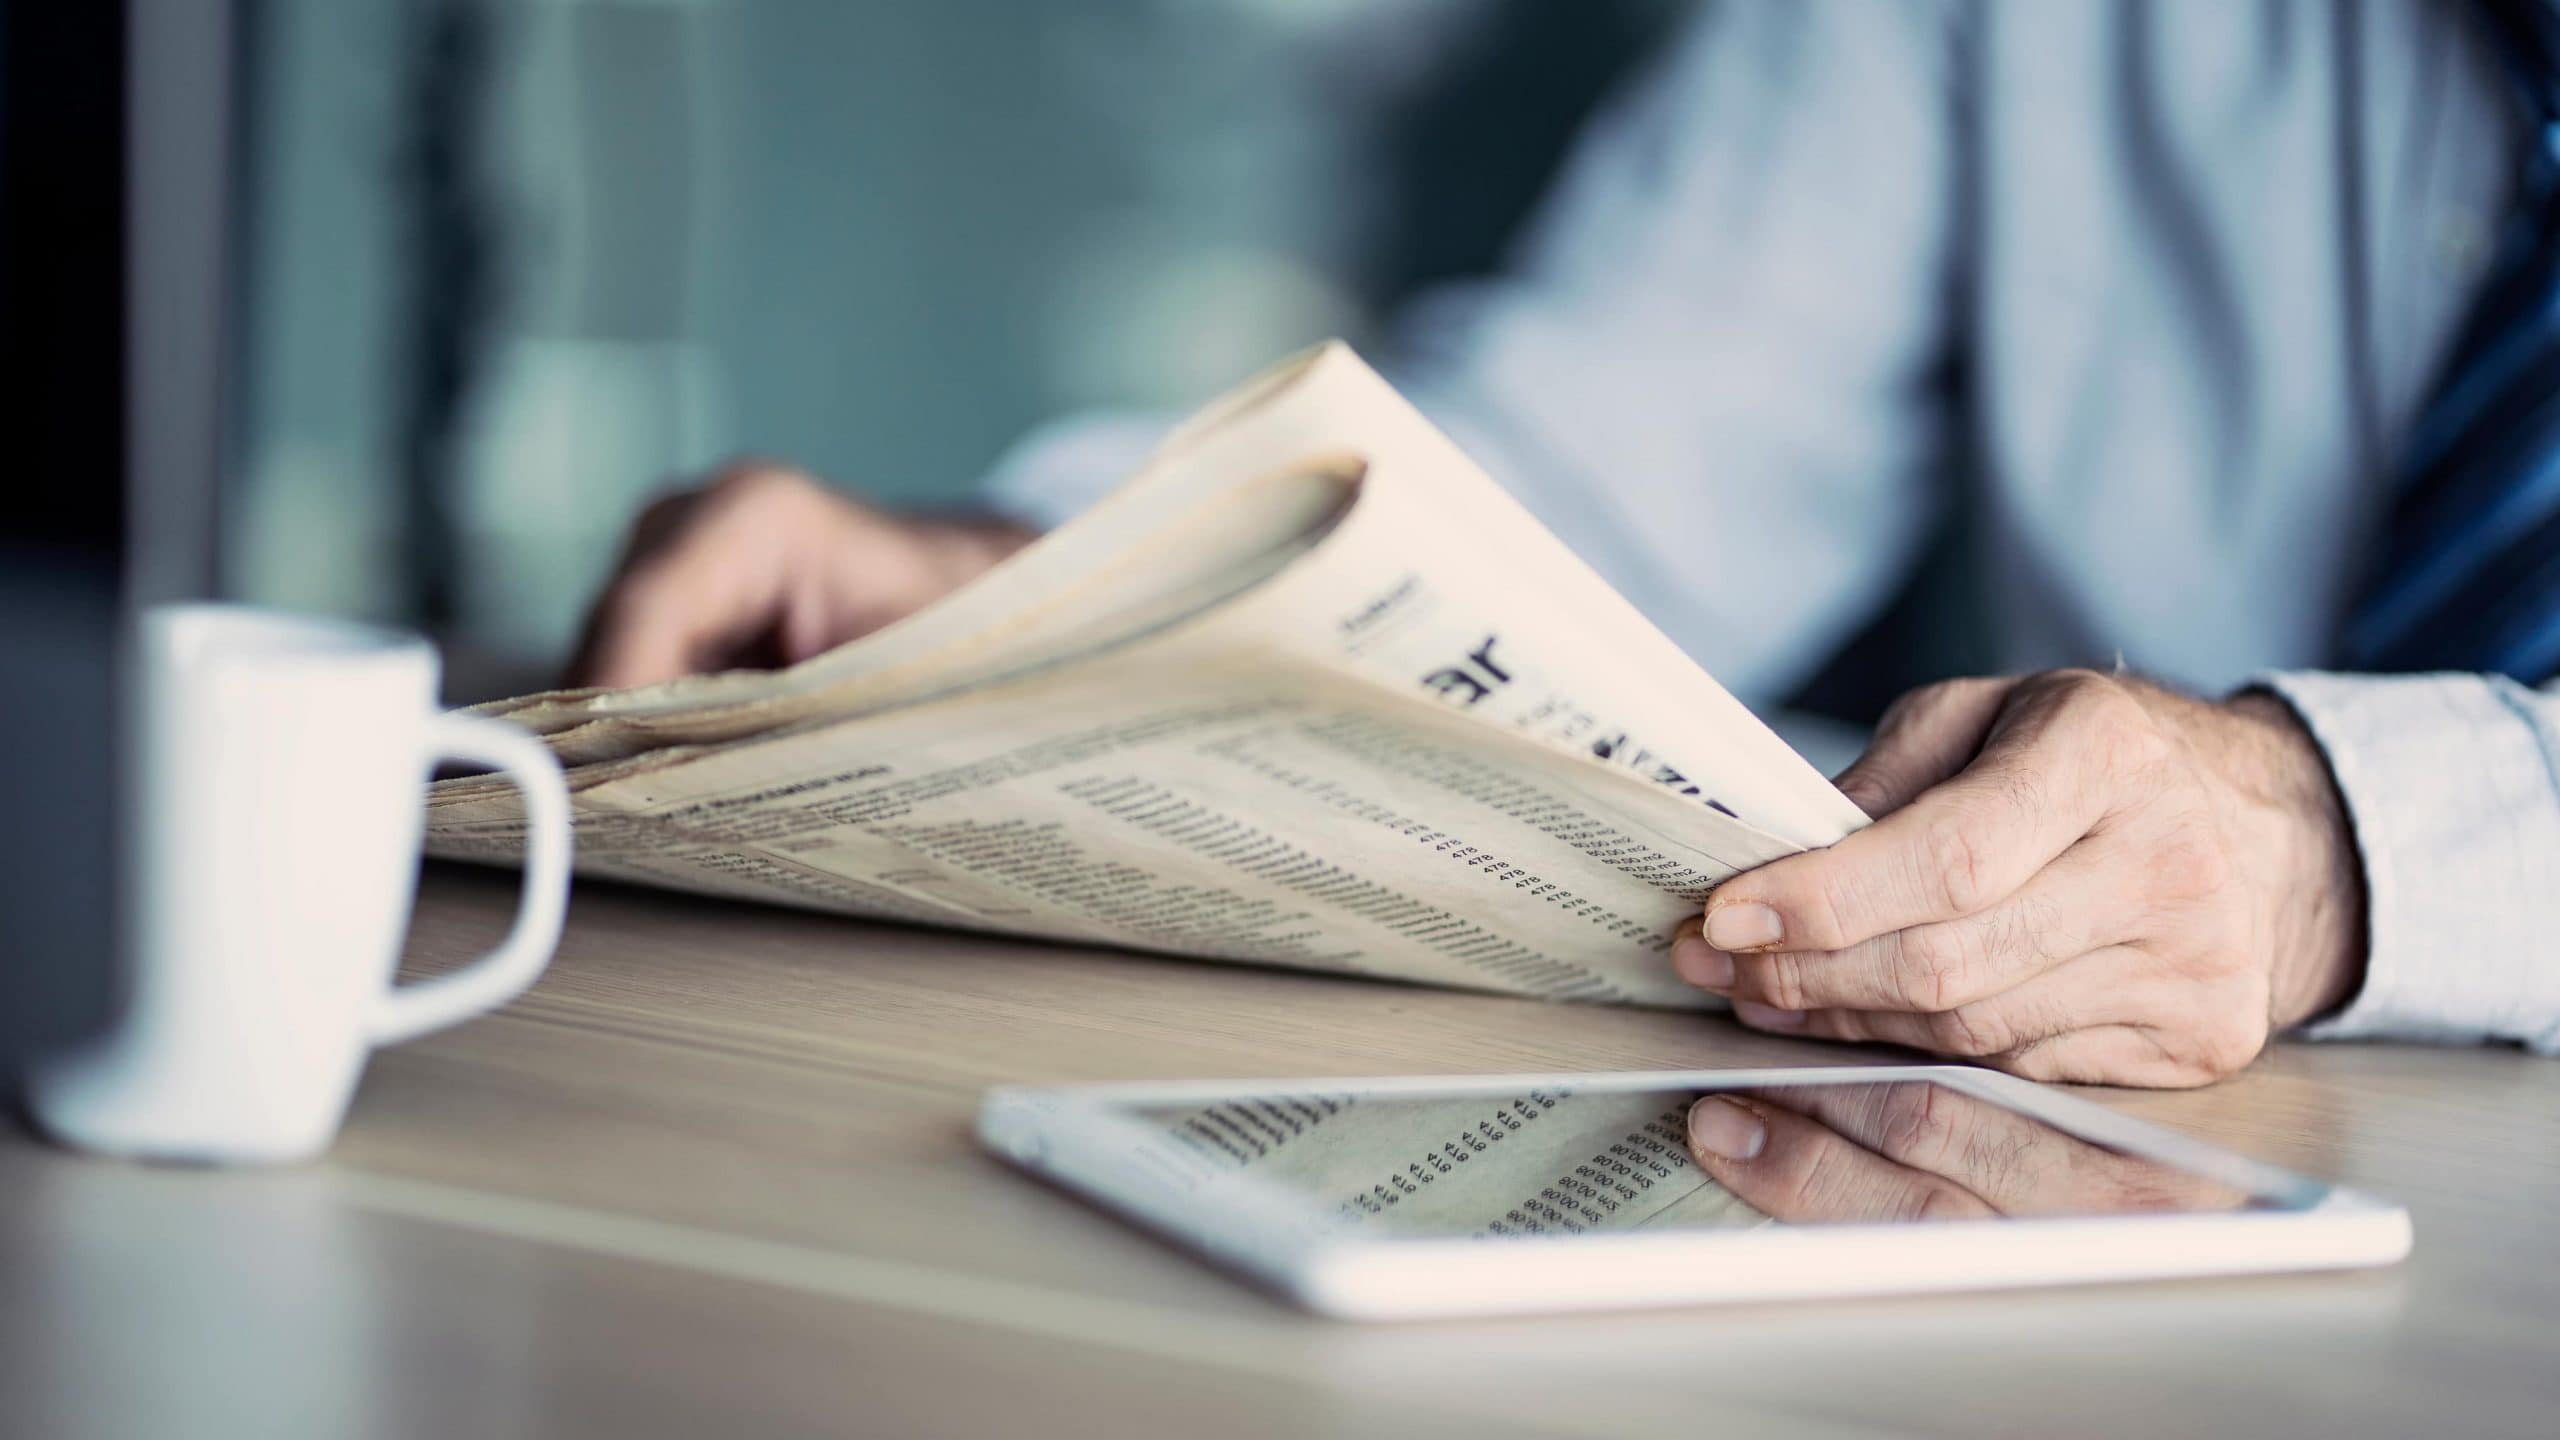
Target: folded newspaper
[[1307, 690]]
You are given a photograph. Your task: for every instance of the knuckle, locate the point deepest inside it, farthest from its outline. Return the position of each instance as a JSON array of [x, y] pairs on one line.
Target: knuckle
[[1952, 849], [1827, 918], [1817, 902], [1932, 963], [1781, 980], [2081, 687], [749, 478], [2100, 730], [2089, 697], [1929, 699], [2073, 693], [760, 497], [2227, 1047], [2190, 863]]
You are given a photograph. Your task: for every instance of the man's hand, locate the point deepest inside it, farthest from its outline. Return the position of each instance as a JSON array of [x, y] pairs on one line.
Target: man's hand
[[1917, 1151], [763, 566], [2072, 877]]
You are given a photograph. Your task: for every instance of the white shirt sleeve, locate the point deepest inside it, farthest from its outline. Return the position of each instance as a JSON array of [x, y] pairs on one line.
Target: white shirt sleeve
[[2452, 783], [1715, 365]]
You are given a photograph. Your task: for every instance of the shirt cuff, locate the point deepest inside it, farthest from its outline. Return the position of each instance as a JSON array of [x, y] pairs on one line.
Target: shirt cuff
[[2450, 785]]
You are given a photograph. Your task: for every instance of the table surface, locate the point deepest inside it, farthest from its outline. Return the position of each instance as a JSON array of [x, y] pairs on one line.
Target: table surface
[[715, 1175]]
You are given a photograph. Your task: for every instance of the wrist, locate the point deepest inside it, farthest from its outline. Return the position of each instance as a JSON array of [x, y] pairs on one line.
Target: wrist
[[2312, 876]]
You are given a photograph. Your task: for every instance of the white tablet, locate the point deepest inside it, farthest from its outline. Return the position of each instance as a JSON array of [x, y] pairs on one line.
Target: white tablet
[[1484, 1195]]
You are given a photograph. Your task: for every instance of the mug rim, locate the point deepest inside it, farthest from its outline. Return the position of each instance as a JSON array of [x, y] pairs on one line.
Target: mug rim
[[197, 627]]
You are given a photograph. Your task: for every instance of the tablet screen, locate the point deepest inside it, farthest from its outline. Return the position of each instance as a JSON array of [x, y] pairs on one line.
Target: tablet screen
[[1553, 1161]]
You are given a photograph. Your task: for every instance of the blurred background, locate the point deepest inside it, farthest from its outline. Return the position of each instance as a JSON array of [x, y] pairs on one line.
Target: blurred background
[[516, 266]]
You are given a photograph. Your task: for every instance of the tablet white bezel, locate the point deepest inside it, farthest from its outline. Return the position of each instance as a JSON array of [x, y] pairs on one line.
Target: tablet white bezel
[[1079, 1136]]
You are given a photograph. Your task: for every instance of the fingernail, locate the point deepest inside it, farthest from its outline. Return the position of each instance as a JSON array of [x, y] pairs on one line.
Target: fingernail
[[1720, 1127], [1767, 1017], [1743, 925], [1702, 964]]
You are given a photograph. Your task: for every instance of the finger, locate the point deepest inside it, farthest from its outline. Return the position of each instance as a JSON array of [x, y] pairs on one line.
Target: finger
[[695, 596], [1790, 1167], [2040, 783], [1926, 736], [2181, 1024], [2021, 1165], [2103, 987], [1696, 961], [2083, 901], [625, 644], [599, 648], [656, 626]]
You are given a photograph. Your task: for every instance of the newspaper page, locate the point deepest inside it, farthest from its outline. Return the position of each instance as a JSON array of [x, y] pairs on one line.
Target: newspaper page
[[1190, 801], [1422, 748]]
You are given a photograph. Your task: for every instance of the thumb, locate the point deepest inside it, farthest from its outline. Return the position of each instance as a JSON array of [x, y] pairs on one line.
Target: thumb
[[1927, 736], [637, 634]]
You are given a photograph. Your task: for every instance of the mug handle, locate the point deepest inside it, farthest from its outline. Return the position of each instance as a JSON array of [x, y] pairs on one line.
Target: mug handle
[[405, 1012]]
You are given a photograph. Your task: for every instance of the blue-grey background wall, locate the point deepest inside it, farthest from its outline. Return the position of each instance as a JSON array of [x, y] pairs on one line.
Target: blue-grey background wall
[[514, 266]]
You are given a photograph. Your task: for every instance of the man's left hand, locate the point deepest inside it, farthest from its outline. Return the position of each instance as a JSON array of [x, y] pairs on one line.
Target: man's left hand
[[2072, 876]]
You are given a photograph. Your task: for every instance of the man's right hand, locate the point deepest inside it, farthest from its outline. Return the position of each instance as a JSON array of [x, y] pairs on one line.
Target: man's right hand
[[762, 567], [1916, 1150]]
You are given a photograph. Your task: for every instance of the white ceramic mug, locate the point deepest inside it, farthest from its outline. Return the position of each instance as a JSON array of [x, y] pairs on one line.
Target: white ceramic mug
[[278, 803]]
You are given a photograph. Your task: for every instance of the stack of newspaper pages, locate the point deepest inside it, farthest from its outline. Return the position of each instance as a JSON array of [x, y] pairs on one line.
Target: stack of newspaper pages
[[1307, 690]]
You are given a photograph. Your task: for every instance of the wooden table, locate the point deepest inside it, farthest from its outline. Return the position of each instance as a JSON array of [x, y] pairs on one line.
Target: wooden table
[[714, 1176]]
